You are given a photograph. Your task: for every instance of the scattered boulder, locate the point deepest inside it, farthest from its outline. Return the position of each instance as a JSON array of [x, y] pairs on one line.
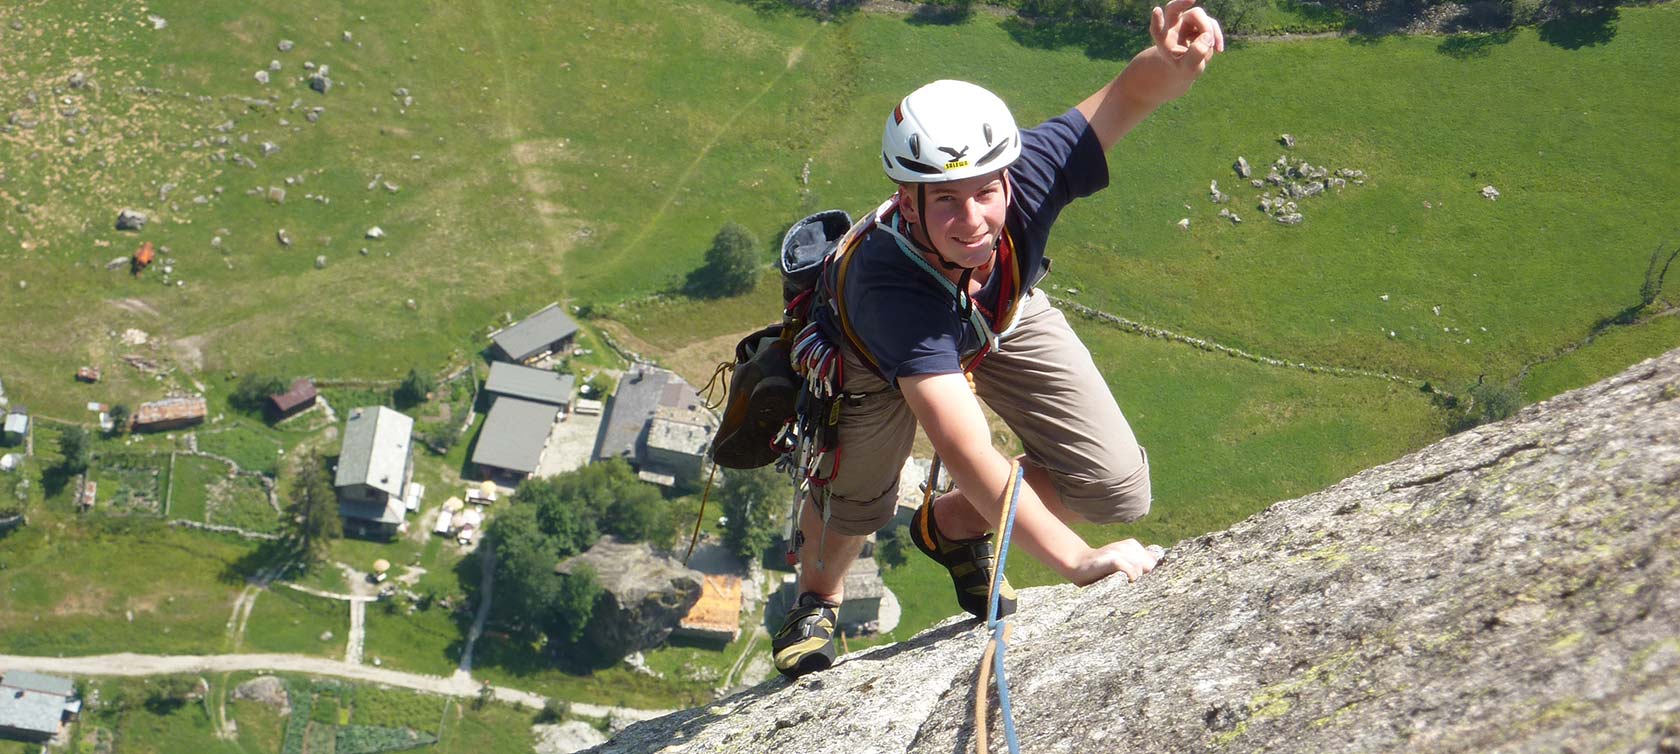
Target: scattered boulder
[[566, 737], [283, 237], [158, 22], [375, 233], [644, 595], [321, 262], [1287, 141], [1184, 224], [1215, 195], [129, 219], [262, 77], [1229, 215], [1290, 218], [285, 45], [78, 80], [1490, 193], [326, 636], [265, 689], [274, 65], [269, 148], [1243, 170], [346, 37], [276, 195]]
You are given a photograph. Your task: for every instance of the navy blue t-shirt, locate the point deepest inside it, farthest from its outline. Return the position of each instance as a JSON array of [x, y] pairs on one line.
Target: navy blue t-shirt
[[910, 323]]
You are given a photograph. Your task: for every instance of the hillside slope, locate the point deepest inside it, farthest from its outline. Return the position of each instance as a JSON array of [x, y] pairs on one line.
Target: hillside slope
[[1506, 589]]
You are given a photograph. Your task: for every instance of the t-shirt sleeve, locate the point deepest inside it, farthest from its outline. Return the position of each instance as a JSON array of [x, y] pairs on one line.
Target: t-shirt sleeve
[[1061, 160]]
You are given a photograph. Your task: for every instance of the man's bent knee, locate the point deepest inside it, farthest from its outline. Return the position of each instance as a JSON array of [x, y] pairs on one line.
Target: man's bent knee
[[1112, 499]]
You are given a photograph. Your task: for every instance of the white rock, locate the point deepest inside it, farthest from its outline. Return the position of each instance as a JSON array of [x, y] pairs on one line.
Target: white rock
[[375, 233], [1184, 224]]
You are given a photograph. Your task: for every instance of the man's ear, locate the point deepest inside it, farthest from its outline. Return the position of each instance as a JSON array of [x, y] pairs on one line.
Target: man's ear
[[907, 204]]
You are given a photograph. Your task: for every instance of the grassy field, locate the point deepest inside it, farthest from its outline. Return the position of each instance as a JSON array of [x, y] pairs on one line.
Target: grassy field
[[137, 725], [426, 641], [193, 477], [288, 621], [69, 589]]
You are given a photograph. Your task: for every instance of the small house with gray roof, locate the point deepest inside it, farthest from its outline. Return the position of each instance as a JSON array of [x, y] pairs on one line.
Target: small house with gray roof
[[657, 422], [16, 426], [547, 331], [33, 706], [510, 446], [531, 384], [374, 466]]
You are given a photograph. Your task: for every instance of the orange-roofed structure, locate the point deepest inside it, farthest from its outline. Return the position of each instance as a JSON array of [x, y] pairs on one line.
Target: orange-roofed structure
[[143, 257], [717, 616]]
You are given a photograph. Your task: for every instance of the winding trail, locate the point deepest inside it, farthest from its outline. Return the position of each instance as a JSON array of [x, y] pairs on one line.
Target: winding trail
[[128, 664]]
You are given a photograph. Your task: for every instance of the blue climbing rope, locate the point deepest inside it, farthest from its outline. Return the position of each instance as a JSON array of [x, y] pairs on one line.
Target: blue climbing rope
[[999, 642]]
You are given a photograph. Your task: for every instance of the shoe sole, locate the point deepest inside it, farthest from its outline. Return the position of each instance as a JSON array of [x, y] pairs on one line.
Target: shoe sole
[[820, 658]]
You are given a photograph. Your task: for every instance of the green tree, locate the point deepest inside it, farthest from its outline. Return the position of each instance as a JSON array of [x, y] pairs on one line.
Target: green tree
[[890, 546], [529, 595], [413, 390], [312, 513], [73, 445], [754, 502], [119, 419], [253, 389], [732, 264]]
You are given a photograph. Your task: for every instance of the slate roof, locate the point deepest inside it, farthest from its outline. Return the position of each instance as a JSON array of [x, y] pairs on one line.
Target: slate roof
[[529, 383], [514, 434], [639, 392], [535, 333], [23, 679], [375, 450], [33, 702]]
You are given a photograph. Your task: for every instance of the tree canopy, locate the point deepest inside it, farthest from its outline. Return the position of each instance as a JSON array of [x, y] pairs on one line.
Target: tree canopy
[[552, 519], [754, 502], [732, 263], [312, 510]]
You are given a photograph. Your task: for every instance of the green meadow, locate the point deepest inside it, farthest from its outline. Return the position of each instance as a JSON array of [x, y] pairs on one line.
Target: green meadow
[[588, 152]]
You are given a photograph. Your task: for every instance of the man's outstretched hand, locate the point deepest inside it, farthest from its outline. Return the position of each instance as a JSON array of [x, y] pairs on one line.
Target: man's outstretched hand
[[1186, 37]]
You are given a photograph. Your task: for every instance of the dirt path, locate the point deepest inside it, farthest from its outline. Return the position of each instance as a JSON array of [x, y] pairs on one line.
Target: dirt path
[[358, 631], [487, 579], [143, 665]]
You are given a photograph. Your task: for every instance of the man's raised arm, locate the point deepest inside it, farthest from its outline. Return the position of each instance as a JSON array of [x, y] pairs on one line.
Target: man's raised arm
[[1185, 39]]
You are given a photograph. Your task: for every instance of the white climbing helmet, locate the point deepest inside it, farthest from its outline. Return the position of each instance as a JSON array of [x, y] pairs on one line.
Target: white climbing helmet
[[948, 131]]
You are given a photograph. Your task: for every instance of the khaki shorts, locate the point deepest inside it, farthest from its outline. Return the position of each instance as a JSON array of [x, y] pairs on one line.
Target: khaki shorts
[[1042, 382]]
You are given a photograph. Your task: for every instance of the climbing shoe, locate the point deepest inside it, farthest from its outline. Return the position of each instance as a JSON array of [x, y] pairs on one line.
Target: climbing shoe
[[805, 643], [762, 392], [969, 561]]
